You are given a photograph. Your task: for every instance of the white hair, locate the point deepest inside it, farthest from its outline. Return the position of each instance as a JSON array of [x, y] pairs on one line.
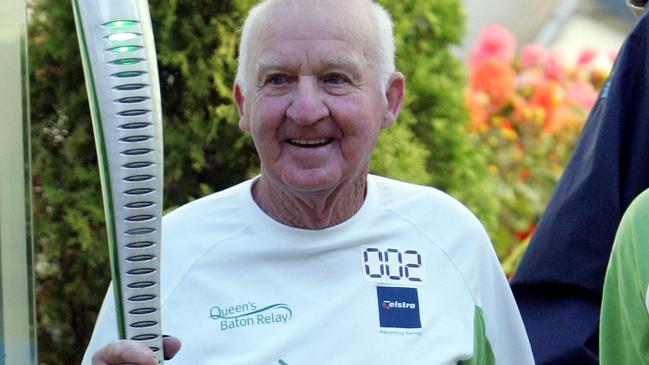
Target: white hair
[[384, 41]]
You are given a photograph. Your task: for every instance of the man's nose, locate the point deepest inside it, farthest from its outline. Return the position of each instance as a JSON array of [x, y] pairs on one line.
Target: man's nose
[[307, 105]]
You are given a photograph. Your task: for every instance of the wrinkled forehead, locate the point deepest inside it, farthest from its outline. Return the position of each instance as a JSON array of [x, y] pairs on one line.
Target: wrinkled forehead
[[297, 15], [345, 20]]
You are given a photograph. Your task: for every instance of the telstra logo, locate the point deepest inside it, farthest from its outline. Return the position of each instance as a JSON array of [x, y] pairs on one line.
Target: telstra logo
[[387, 304]]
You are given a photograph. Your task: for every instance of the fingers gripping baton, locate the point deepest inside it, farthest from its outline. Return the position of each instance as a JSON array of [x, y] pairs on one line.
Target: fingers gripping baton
[[119, 63]]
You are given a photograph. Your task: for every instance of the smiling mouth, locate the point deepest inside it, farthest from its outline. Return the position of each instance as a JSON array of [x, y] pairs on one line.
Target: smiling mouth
[[310, 143]]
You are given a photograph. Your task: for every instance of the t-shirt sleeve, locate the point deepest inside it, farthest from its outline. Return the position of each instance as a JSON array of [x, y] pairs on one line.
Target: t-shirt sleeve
[[477, 262], [503, 324]]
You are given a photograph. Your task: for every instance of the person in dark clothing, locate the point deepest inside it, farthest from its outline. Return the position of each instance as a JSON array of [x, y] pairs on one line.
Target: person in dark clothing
[[558, 284]]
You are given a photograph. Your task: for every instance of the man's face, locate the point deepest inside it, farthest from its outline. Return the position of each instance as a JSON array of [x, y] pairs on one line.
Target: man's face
[[314, 104]]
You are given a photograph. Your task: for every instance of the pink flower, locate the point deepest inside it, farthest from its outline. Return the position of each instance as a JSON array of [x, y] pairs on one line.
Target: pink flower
[[528, 78], [582, 93], [586, 56], [533, 55], [554, 67], [494, 41]]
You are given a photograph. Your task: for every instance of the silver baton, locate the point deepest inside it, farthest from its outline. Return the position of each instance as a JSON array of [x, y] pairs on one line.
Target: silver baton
[[120, 68]]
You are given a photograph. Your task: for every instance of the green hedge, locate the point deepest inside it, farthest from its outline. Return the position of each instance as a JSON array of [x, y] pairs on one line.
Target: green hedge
[[204, 149]]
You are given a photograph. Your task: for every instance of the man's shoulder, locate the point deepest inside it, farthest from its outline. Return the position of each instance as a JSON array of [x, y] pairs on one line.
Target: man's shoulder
[[633, 230], [224, 200], [434, 213], [213, 215], [400, 189], [413, 199], [446, 224], [194, 228], [639, 208]]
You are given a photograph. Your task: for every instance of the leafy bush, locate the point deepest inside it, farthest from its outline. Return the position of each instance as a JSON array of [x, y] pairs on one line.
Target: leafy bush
[[431, 130], [527, 110], [204, 149]]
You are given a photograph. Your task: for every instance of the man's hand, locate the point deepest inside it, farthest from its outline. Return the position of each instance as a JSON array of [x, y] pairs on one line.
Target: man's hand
[[131, 352]]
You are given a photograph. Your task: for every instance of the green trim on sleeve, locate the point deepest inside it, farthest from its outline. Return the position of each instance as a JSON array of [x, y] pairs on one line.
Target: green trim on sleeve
[[624, 318], [482, 352]]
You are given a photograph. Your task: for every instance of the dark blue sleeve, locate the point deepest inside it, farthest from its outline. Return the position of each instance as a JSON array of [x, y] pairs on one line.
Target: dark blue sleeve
[[558, 284]]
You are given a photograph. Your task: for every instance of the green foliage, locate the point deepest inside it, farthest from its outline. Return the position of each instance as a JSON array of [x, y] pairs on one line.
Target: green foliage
[[204, 149], [68, 215], [428, 143]]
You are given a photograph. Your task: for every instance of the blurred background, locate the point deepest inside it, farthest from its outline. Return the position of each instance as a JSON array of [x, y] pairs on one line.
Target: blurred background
[[568, 24], [497, 94]]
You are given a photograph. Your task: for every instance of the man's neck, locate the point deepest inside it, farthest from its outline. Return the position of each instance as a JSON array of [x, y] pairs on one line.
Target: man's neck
[[310, 210]]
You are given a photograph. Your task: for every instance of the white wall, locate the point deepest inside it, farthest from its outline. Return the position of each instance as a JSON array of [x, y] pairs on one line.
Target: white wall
[[17, 342], [569, 25]]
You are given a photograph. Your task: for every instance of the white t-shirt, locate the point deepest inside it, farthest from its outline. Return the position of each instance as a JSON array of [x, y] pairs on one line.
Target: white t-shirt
[[411, 279]]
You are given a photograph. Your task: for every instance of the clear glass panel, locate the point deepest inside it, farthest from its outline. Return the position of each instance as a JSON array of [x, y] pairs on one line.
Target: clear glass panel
[[17, 332]]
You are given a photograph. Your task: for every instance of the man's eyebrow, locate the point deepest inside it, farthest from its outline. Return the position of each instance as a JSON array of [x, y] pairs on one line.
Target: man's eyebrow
[[267, 63], [345, 63], [341, 61], [274, 64]]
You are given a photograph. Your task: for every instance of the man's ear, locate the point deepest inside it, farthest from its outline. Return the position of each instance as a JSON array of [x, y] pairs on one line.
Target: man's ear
[[239, 99], [394, 94]]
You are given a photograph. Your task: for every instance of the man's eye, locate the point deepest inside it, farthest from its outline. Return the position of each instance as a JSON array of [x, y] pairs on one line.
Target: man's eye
[[335, 79], [277, 79]]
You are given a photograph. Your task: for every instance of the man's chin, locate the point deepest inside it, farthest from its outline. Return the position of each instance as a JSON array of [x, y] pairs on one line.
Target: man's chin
[[312, 182], [314, 186]]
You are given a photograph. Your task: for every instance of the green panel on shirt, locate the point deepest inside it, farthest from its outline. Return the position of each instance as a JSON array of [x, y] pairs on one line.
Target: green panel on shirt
[[624, 320], [482, 353]]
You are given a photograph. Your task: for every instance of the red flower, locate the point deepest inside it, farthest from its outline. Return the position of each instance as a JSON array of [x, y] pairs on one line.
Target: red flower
[[495, 78], [546, 96], [477, 104], [521, 235]]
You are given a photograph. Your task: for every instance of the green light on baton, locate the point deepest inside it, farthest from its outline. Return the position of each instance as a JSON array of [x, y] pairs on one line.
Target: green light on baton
[[124, 49], [120, 23], [123, 36]]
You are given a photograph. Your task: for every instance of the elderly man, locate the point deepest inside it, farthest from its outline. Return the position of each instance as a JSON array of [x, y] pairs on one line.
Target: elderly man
[[315, 261]]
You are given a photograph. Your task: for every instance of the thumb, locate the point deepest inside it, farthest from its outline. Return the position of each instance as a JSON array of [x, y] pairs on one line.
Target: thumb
[[171, 345]]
